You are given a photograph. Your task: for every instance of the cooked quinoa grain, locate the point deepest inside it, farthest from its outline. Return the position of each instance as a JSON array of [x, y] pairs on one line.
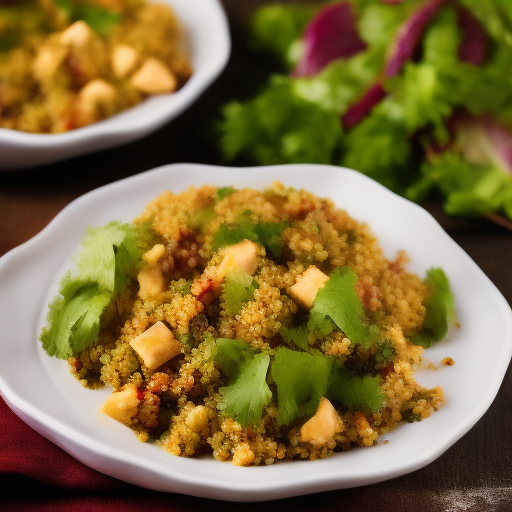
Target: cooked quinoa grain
[[65, 64], [242, 281]]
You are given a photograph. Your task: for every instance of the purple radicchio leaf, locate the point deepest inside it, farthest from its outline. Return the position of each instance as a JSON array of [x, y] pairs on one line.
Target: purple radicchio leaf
[[482, 140], [406, 41], [331, 35], [409, 35], [358, 111], [473, 47]]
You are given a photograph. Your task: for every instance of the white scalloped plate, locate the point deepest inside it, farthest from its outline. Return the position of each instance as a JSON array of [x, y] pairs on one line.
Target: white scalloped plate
[[45, 395], [208, 35]]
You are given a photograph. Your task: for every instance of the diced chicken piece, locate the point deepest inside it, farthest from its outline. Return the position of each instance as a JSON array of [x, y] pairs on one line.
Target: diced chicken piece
[[305, 289], [48, 60], [122, 405], [95, 93], [156, 345], [154, 255], [326, 422], [77, 34], [124, 60], [151, 282], [197, 418], [243, 256], [153, 77]]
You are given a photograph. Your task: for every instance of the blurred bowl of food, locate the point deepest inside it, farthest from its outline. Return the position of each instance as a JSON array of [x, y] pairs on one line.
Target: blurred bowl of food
[[75, 80]]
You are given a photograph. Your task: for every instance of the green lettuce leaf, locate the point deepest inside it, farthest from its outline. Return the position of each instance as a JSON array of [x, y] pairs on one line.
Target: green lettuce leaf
[[469, 189], [292, 129], [278, 29]]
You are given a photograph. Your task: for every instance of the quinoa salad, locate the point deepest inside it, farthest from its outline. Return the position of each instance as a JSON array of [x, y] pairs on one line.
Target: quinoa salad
[[65, 64], [252, 325]]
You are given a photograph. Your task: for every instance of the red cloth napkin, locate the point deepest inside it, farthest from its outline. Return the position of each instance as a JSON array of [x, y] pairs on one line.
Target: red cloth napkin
[[38, 476], [23, 451]]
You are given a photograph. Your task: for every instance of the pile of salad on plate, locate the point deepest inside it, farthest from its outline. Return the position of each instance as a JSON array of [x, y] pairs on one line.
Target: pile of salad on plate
[[416, 94], [255, 326]]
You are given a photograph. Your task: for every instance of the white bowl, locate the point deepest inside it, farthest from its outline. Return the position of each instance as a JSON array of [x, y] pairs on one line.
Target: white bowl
[[43, 393], [208, 35]]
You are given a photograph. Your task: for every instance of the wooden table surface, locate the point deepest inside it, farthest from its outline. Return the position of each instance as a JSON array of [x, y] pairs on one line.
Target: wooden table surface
[[475, 475]]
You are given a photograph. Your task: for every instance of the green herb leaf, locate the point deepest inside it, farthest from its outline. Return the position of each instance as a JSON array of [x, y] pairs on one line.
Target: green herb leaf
[[440, 312], [231, 234], [231, 354], [267, 234], [74, 319], [223, 192], [106, 264], [238, 288], [109, 256], [99, 19], [296, 335], [292, 130], [337, 302], [301, 381], [202, 218], [385, 352], [358, 393], [247, 393]]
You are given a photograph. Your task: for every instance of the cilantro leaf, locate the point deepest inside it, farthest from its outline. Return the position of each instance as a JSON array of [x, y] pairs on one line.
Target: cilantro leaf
[[301, 381], [296, 335], [358, 393], [99, 19], [66, 312], [202, 217], [231, 234], [440, 312], [231, 354], [247, 392], [267, 234], [337, 302], [238, 288], [109, 255], [105, 266], [223, 192]]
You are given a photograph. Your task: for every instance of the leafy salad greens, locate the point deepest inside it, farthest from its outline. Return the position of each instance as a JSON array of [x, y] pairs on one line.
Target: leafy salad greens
[[416, 94]]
